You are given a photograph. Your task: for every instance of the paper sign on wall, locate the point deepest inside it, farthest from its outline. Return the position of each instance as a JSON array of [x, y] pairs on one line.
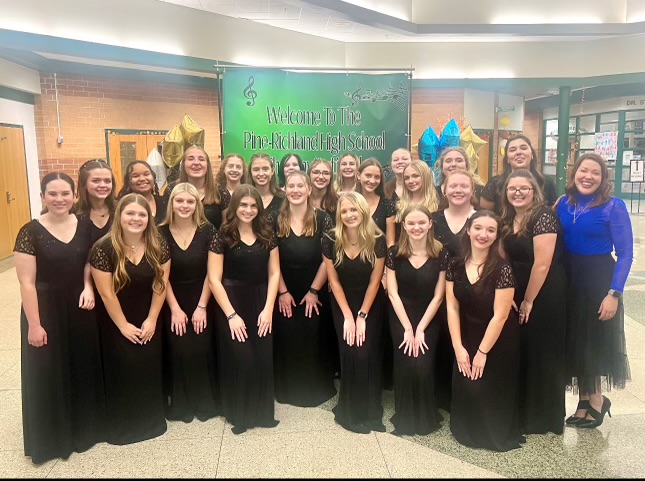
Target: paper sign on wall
[[607, 145]]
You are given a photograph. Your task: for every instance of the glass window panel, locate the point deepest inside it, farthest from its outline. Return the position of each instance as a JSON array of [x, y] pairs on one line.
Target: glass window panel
[[635, 115], [610, 117], [128, 153], [588, 123]]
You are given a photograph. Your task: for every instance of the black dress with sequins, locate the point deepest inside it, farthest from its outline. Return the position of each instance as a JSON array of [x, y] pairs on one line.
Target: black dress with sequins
[[133, 372], [484, 413], [245, 368], [190, 368], [63, 397]]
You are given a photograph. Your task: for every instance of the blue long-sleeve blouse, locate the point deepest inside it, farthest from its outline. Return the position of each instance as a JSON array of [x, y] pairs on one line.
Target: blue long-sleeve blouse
[[599, 230]]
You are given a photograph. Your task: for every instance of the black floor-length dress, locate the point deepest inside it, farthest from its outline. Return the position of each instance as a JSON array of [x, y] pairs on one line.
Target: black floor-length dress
[[484, 413], [133, 372], [63, 397], [542, 366], [304, 373], [359, 399], [415, 403], [190, 361], [245, 368]]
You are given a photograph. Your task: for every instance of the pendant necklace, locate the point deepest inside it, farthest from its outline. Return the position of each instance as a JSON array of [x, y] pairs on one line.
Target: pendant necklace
[[582, 211]]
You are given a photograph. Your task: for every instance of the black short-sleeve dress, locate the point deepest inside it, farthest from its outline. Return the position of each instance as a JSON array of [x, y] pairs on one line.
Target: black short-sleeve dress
[[414, 384], [133, 372], [484, 413], [63, 398], [359, 399], [303, 367], [190, 374], [245, 368], [542, 377]]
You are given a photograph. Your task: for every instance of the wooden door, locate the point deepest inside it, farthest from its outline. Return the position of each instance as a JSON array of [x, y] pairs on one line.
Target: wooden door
[[14, 192], [125, 148]]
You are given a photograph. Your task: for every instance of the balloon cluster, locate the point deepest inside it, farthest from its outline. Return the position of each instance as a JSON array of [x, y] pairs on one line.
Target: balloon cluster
[[180, 137]]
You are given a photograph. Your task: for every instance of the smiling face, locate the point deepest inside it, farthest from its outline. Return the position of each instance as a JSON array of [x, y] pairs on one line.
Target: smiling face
[[519, 154], [291, 165], [320, 176], [412, 180], [58, 197], [195, 163], [261, 172], [134, 219], [141, 179], [482, 232], [348, 167], [234, 169], [297, 190], [370, 179], [350, 215], [588, 177], [452, 161], [184, 205], [519, 192], [400, 160], [417, 225], [99, 183], [458, 190], [247, 210]]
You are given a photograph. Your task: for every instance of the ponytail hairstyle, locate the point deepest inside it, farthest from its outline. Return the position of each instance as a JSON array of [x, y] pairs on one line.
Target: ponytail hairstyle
[[83, 204]]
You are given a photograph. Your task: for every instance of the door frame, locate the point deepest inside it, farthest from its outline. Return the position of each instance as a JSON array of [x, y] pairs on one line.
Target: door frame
[[24, 149], [128, 132]]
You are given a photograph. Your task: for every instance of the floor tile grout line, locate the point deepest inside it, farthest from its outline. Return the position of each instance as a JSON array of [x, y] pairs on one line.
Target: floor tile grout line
[[50, 471], [221, 445], [383, 456]]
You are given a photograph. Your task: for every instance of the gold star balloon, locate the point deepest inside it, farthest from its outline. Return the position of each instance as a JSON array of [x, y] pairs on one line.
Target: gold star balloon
[[471, 143], [172, 149]]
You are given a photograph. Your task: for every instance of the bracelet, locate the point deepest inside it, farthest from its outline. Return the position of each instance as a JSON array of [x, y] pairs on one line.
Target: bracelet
[[282, 293], [201, 307], [484, 353], [314, 291], [231, 316]]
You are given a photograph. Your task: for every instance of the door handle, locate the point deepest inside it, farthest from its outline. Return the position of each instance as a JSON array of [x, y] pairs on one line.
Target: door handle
[[9, 198]]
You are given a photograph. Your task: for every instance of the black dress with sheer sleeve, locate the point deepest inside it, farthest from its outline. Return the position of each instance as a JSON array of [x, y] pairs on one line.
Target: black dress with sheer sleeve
[[415, 403], [359, 399], [485, 413], [63, 397], [190, 368], [384, 210], [304, 374], [245, 368], [133, 372], [542, 375]]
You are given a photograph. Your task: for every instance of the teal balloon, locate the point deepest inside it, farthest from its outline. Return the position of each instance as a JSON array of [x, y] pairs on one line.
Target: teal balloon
[[450, 135], [429, 146]]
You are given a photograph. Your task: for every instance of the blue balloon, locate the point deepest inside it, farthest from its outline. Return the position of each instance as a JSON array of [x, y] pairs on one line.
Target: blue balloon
[[450, 135], [429, 147]]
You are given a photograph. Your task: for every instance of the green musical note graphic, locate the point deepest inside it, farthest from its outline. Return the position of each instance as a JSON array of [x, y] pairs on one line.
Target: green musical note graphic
[[249, 93]]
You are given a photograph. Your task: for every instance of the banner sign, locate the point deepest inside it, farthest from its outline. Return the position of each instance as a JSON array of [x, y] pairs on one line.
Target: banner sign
[[316, 115]]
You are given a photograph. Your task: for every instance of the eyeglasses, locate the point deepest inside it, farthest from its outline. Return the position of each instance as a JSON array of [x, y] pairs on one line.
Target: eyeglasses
[[324, 173], [524, 191]]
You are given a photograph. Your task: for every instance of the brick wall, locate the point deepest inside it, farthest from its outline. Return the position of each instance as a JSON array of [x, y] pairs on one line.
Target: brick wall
[[89, 105], [435, 107]]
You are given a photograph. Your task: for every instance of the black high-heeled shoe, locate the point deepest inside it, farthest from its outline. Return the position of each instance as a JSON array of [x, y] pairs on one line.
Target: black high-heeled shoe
[[573, 419], [598, 417]]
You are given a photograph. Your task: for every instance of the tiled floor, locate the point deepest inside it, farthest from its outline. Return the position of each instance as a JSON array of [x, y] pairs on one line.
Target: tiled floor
[[307, 442]]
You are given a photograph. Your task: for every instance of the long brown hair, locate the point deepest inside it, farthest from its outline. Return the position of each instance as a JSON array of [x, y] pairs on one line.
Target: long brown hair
[[603, 192], [371, 162], [284, 219], [273, 183], [494, 259], [83, 204], [151, 240], [51, 176], [211, 192], [329, 201], [229, 229], [532, 164], [220, 179], [508, 211], [433, 246]]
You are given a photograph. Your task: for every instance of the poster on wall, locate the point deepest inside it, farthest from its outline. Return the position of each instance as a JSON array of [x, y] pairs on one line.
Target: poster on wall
[[316, 115], [606, 145]]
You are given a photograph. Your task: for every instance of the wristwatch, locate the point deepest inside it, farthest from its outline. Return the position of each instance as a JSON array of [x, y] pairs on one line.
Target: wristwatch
[[615, 293], [362, 314]]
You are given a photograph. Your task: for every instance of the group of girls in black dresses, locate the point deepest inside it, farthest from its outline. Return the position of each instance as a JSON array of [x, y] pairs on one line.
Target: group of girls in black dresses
[[225, 295]]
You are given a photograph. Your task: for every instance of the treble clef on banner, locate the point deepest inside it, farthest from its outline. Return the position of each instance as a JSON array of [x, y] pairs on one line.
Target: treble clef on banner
[[249, 93]]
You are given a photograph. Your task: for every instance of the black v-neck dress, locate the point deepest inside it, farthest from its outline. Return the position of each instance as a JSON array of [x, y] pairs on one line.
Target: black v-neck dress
[[63, 397]]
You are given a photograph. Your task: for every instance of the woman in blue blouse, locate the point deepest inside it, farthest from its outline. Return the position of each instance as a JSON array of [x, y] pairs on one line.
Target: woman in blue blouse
[[594, 225]]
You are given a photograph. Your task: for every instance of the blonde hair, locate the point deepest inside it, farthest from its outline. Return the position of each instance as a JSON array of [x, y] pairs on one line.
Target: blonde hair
[[433, 246], [444, 204], [471, 166], [199, 219], [151, 241], [211, 192], [220, 180], [284, 219], [368, 231], [429, 199], [338, 182]]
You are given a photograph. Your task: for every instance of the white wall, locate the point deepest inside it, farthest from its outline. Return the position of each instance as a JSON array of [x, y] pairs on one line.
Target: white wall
[[18, 77], [602, 106], [17, 113]]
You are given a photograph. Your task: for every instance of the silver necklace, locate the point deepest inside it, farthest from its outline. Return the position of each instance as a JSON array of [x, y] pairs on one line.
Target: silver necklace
[[582, 211]]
